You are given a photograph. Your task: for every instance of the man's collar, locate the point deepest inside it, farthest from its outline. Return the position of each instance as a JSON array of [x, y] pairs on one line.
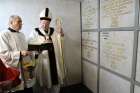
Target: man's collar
[[12, 30]]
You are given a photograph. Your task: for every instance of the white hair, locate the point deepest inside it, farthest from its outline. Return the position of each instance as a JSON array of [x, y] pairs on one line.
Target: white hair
[[13, 17]]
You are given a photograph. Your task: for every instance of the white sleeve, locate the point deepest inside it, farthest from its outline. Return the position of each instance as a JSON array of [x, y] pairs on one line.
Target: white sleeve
[[6, 51], [35, 38], [32, 37]]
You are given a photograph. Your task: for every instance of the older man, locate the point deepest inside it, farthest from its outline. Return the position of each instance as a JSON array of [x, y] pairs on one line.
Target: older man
[[13, 46], [49, 69]]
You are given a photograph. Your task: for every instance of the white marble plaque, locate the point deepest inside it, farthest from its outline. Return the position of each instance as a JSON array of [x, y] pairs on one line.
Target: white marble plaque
[[110, 83], [137, 89], [89, 14], [90, 46], [117, 13], [116, 51], [90, 76], [138, 61]]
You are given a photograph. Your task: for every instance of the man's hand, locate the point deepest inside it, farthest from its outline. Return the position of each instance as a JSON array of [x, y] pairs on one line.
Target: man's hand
[[25, 53], [59, 26], [60, 31]]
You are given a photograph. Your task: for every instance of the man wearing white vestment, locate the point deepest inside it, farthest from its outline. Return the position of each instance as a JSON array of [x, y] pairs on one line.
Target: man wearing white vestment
[[49, 68], [13, 46]]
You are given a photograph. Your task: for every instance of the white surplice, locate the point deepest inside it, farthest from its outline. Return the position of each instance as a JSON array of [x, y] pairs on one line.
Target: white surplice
[[11, 43]]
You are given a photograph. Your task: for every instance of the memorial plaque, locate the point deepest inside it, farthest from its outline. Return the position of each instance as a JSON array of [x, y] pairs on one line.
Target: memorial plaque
[[90, 46], [89, 14], [117, 13], [116, 51]]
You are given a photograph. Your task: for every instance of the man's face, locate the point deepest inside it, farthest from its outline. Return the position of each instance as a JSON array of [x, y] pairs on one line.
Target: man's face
[[44, 24], [17, 24]]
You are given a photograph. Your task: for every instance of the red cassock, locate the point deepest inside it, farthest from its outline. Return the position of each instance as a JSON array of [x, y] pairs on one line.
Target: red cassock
[[9, 77]]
